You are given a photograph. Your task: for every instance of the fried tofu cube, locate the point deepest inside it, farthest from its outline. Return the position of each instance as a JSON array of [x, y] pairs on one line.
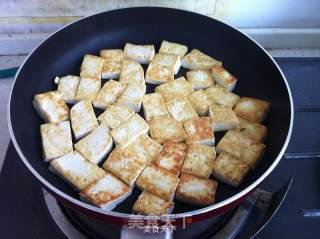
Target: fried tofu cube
[[222, 96], [125, 165], [56, 140], [169, 60], [199, 160], [171, 157], [157, 75], [154, 106], [196, 190], [197, 60], [158, 181], [115, 115], [173, 48], [149, 204], [241, 147], [178, 88], [83, 119], [166, 128], [91, 67], [76, 170], [131, 72], [88, 89], [111, 66], [51, 107], [107, 192], [199, 131], [67, 87], [139, 53], [129, 130], [181, 109], [200, 79], [222, 77], [132, 96], [223, 118], [96, 145], [254, 110], [145, 148], [108, 94], [229, 169], [200, 102], [254, 131]]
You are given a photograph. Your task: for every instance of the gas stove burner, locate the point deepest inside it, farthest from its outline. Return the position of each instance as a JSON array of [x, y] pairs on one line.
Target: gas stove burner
[[244, 221]]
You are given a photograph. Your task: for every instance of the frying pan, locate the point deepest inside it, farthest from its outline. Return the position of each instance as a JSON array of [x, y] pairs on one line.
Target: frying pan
[[62, 52]]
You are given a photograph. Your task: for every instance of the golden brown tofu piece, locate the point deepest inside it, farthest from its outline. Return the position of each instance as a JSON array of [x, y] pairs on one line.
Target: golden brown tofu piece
[[157, 74], [67, 87], [158, 181], [173, 48], [76, 170], [222, 96], [91, 67], [200, 102], [145, 148], [199, 131], [51, 107], [181, 109], [166, 128], [223, 118], [229, 169], [139, 53], [222, 77], [177, 88], [131, 72], [199, 160], [111, 66], [149, 204], [115, 115], [125, 165], [56, 140], [254, 110], [241, 147], [88, 89], [83, 119], [171, 156], [154, 106], [129, 130], [254, 131], [200, 79], [108, 94], [197, 60], [196, 190], [107, 192]]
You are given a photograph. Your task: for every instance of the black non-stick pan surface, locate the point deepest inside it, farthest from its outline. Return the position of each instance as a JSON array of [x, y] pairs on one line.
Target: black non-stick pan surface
[[62, 53]]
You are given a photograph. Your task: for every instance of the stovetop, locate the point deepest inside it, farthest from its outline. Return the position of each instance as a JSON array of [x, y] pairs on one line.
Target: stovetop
[[24, 213]]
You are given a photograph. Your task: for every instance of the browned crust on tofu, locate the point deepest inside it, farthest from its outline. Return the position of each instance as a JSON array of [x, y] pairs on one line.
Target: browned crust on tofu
[[254, 131], [166, 128], [199, 160], [254, 110], [158, 181], [241, 147], [125, 165], [61, 109], [149, 204], [104, 197], [229, 169], [198, 129], [171, 156], [189, 190]]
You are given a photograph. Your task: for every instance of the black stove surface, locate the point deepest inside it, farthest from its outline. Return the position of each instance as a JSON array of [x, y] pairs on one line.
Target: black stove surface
[[24, 214]]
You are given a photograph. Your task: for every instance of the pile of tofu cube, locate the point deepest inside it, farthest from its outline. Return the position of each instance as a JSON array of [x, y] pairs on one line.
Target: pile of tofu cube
[[169, 153]]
